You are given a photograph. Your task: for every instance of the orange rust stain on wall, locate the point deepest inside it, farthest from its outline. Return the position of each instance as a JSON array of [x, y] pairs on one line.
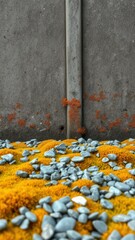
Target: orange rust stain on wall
[[98, 114], [22, 122], [103, 117], [74, 106], [11, 117], [47, 122], [132, 122], [115, 123], [125, 115], [102, 129], [32, 125], [81, 130], [18, 106], [48, 115], [97, 97]]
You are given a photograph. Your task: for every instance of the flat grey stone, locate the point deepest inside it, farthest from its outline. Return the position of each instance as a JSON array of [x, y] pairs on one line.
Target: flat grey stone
[[50, 154], [111, 183], [81, 140], [93, 168], [115, 235], [112, 164], [26, 153], [100, 226], [122, 186], [36, 237], [103, 216], [131, 225], [132, 172], [47, 220], [105, 160], [109, 195], [128, 165], [94, 143], [61, 146], [98, 180], [73, 177], [131, 213], [83, 218], [31, 216], [65, 199], [72, 234], [112, 156], [24, 159], [59, 206], [25, 224], [34, 161], [65, 224], [93, 216], [47, 232], [106, 204], [18, 220], [115, 191], [116, 168], [56, 215], [77, 159], [129, 236], [95, 195], [87, 237], [8, 157], [3, 224], [36, 166], [80, 200], [121, 218], [47, 199], [23, 210], [22, 174], [72, 213], [69, 204], [85, 154], [47, 207], [46, 169], [85, 190], [96, 235], [130, 182], [83, 210], [55, 176], [65, 159], [114, 177]]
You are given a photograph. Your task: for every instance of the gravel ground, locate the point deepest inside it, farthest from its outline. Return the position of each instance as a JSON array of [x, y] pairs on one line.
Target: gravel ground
[[72, 189]]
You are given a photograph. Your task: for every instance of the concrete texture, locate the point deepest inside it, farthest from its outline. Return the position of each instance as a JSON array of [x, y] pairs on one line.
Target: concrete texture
[[32, 69], [109, 68], [73, 66]]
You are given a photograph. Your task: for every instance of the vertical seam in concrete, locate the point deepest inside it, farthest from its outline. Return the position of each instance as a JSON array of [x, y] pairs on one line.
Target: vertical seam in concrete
[[73, 64]]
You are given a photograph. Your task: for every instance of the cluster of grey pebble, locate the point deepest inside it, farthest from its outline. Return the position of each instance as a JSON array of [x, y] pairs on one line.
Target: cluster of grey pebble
[[7, 158], [5, 144]]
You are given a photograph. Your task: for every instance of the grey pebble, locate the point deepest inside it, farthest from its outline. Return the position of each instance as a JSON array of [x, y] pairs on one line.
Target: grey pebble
[[22, 174], [83, 218], [78, 159], [59, 206], [132, 172], [131, 213], [100, 226], [65, 159], [34, 161], [47, 232], [109, 195], [18, 220], [3, 224], [56, 215], [83, 210], [129, 236], [115, 235], [47, 207], [65, 199], [131, 225], [121, 218], [122, 186], [69, 204], [55, 176], [25, 224], [23, 210], [87, 237], [46, 169], [96, 235], [85, 154], [85, 190], [103, 216], [128, 165], [111, 183], [65, 224], [93, 216], [106, 204], [61, 146], [8, 157], [130, 182], [112, 156], [115, 191], [50, 154], [37, 237], [24, 159], [112, 164], [93, 168], [105, 159], [31, 216], [47, 220], [60, 235], [72, 213], [26, 153], [95, 195], [74, 235]]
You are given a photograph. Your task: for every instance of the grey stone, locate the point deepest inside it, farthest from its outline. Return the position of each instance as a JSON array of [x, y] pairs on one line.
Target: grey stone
[[95, 195], [132, 172], [74, 235], [61, 146], [31, 216], [105, 160], [47, 207], [65, 199], [65, 159], [60, 235], [80, 200], [8, 157], [12, 162], [121, 218], [25, 224], [115, 235], [47, 220], [77, 159], [114, 177], [3, 224], [56, 215], [72, 213], [109, 195], [115, 191], [81, 140], [94, 143], [112, 156], [112, 164], [116, 168], [103, 216], [122, 186], [36, 166], [106, 204], [50, 154], [85, 154], [73, 177], [111, 183], [18, 220], [23, 210], [24, 159], [98, 180], [131, 213], [47, 232], [59, 206], [26, 153], [55, 176], [69, 204], [34, 161], [36, 237], [100, 226], [131, 225], [22, 174], [129, 236], [46, 169], [83, 210], [130, 182], [128, 165], [76, 189], [93, 168], [87, 237], [92, 149], [65, 224], [93, 216], [85, 190], [83, 218], [96, 235]]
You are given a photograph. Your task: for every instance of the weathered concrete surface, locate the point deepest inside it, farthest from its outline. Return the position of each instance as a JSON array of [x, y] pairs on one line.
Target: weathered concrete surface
[[109, 68], [74, 66], [32, 69]]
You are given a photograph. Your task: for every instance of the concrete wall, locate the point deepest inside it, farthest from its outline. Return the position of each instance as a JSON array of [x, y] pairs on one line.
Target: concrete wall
[[109, 68], [32, 69]]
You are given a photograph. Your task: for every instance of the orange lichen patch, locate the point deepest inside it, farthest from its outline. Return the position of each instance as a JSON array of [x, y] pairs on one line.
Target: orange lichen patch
[[22, 122], [18, 106], [81, 130], [115, 123], [98, 114], [32, 125], [102, 129], [11, 116], [132, 122], [85, 229], [98, 97]]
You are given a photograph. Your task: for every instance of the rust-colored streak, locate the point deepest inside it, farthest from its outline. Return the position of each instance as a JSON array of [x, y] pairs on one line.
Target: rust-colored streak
[[102, 129], [81, 130], [18, 106], [103, 117], [132, 122], [98, 97], [11, 116], [98, 114], [115, 123], [22, 122], [47, 122], [125, 115]]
